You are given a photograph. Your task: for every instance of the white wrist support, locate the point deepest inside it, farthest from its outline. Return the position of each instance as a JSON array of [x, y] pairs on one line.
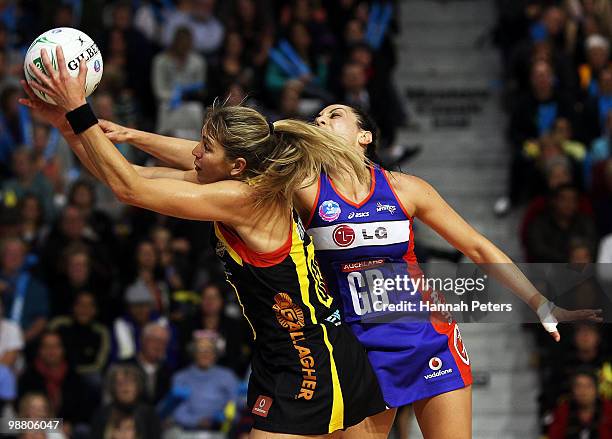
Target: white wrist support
[[546, 317]]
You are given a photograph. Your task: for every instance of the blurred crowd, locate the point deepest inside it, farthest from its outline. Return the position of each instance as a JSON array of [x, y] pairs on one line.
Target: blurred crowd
[[117, 319], [558, 97]]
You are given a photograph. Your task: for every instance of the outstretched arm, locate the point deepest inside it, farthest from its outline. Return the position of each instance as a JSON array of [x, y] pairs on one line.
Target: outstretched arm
[[427, 205], [56, 117], [225, 201], [171, 150]]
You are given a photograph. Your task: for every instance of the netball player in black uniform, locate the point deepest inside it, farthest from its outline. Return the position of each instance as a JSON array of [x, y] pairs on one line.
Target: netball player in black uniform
[[310, 375]]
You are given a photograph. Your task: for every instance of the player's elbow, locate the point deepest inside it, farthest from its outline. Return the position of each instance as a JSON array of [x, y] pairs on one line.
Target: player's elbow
[[478, 249], [125, 193], [484, 251]]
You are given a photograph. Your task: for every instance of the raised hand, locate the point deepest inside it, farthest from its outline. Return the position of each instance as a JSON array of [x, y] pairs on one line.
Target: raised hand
[[51, 114], [558, 315], [67, 91]]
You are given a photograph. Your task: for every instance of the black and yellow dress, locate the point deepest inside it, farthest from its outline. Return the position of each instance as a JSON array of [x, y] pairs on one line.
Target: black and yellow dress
[[309, 374]]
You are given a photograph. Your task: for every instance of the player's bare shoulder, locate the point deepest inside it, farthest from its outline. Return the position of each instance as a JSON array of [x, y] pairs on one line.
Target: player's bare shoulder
[[410, 189], [305, 198]]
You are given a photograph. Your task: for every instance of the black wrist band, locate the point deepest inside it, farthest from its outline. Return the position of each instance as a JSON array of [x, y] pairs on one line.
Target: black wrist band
[[81, 118]]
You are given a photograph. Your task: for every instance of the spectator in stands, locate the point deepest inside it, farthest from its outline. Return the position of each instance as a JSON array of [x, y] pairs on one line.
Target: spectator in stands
[[314, 69], [54, 159], [540, 47], [601, 148], [51, 375], [557, 172], [148, 19], [314, 17], [598, 57], [580, 253], [11, 65], [549, 233], [563, 133], [232, 348], [24, 297], [89, 340], [211, 388], [127, 329], [198, 16], [75, 276], [36, 406], [253, 21], [603, 202], [178, 76], [14, 123], [33, 229], [71, 228], [586, 350], [604, 261], [172, 256], [151, 362], [148, 274], [82, 195], [540, 157], [125, 387], [585, 414], [11, 346], [27, 179], [230, 67], [289, 104], [533, 116], [553, 23], [354, 84], [11, 342], [587, 19], [597, 106], [137, 52]]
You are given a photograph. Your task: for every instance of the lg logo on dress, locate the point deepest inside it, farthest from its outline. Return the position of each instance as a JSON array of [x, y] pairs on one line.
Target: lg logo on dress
[[344, 235]]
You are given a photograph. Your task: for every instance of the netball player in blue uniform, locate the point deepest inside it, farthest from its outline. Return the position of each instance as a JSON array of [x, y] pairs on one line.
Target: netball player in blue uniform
[[355, 228], [408, 358]]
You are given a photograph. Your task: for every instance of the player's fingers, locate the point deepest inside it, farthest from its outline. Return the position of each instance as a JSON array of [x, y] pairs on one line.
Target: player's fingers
[[46, 90], [61, 62], [43, 80], [51, 73], [82, 70], [28, 103], [555, 335], [584, 314]]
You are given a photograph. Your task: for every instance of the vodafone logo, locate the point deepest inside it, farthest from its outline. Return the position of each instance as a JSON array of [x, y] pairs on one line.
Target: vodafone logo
[[343, 235], [435, 363]]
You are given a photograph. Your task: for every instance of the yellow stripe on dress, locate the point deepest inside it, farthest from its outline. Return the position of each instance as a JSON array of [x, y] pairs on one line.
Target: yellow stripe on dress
[[336, 420], [235, 256], [301, 267]]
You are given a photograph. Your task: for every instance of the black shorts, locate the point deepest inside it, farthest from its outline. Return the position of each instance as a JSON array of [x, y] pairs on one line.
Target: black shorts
[[317, 384]]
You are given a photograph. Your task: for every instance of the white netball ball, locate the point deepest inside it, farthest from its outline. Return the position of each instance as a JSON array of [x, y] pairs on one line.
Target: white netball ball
[[76, 45]]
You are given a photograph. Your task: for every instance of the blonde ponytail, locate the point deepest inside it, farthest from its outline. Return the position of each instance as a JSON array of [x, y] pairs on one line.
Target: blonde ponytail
[[301, 152], [282, 160]]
